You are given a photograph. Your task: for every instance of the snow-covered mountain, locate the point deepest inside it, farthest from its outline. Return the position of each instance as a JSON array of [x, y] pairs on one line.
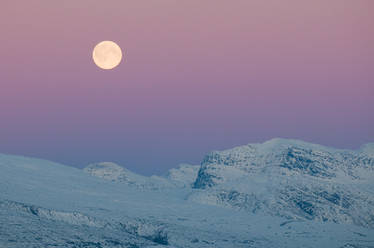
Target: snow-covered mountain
[[183, 176], [281, 193], [114, 172], [282, 177], [293, 179]]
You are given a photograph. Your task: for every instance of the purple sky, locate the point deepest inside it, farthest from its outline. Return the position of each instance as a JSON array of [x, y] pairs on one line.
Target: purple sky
[[198, 76]]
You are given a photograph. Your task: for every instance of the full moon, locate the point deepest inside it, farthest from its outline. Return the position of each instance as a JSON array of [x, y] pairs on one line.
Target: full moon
[[107, 55]]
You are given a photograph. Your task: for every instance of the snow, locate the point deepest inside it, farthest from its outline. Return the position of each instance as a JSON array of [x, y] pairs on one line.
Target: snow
[[291, 179], [368, 149], [116, 173], [259, 195], [184, 175]]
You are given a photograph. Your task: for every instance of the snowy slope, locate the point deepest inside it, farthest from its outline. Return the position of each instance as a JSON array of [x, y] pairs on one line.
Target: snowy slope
[[46, 204]]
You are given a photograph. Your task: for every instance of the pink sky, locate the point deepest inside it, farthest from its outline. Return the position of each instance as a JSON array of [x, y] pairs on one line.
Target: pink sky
[[198, 76]]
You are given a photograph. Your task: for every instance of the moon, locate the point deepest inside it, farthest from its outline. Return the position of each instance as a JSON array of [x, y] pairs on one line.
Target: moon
[[107, 55]]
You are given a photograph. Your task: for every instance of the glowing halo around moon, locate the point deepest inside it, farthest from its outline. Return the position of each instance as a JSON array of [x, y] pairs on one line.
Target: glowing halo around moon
[[107, 55]]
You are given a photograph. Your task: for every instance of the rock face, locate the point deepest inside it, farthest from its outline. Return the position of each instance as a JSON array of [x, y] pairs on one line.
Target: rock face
[[292, 179]]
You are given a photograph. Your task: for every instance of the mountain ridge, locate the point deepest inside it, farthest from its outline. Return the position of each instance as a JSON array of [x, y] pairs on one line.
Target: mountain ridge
[[289, 178]]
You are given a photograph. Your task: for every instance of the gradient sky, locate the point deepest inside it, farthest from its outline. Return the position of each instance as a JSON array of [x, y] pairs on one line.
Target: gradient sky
[[198, 76]]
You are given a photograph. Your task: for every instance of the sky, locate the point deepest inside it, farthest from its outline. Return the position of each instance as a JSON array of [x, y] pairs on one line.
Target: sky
[[197, 76]]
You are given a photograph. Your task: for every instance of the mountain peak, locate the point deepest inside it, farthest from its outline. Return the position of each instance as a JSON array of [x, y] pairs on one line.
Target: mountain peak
[[109, 171]]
